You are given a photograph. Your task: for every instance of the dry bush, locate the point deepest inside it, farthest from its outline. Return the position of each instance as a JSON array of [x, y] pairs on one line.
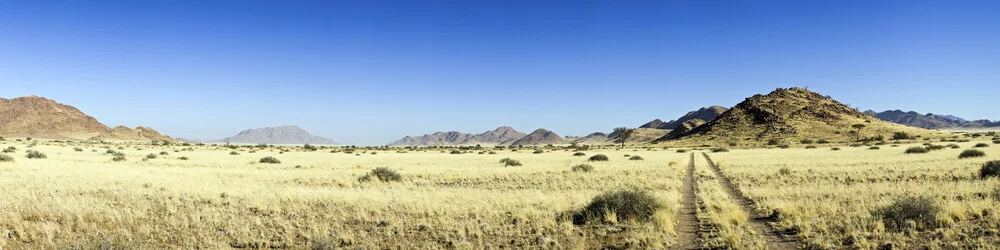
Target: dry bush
[[910, 213], [598, 157], [269, 160], [990, 169], [34, 154], [582, 168], [971, 153], [382, 174], [6, 158], [508, 162], [618, 207], [917, 150], [635, 158], [579, 154]]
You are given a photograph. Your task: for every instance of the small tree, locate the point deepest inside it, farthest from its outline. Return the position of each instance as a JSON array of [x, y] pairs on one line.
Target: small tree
[[623, 134], [858, 127]]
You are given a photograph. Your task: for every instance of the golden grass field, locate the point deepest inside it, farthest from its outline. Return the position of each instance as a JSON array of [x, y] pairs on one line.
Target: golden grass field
[[314, 199]]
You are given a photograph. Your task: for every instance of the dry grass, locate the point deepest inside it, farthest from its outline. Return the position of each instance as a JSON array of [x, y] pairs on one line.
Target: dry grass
[[830, 197], [217, 200]]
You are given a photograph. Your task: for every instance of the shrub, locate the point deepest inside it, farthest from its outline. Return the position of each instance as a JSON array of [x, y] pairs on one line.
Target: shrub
[[618, 206], [10, 149], [990, 169], [456, 152], [835, 149], [822, 141], [508, 162], [901, 136], [234, 153], [269, 160], [874, 148], [598, 157], [183, 158], [784, 171], [34, 154], [309, 147], [918, 212], [970, 153], [933, 147], [981, 145], [538, 151], [164, 153], [118, 158], [151, 156], [579, 154], [78, 149], [582, 168], [635, 158], [6, 158], [810, 147], [806, 141], [773, 142], [917, 150], [719, 150], [996, 141], [383, 174], [681, 151], [492, 153]]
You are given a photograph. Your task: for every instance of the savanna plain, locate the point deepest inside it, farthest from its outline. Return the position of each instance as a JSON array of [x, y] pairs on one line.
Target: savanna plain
[[900, 194]]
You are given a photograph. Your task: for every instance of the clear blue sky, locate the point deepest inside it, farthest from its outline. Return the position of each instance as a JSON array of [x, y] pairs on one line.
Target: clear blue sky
[[370, 72]]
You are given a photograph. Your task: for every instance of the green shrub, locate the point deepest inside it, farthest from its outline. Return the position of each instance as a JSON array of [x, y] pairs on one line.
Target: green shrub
[[719, 150], [10, 149], [456, 152], [933, 147], [638, 206], [970, 153], [598, 157], [990, 169], [269, 160], [538, 151], [508, 162], [151, 156], [6, 158], [579, 154], [309, 147], [234, 153], [917, 150], [34, 154], [635, 158], [382, 174], [902, 136], [582, 168], [981, 145], [919, 212]]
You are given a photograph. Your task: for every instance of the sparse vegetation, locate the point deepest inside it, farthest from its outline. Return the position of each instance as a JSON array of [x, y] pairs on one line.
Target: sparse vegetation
[[151, 156], [910, 213], [10, 149], [635, 158], [579, 154], [6, 158], [618, 207], [34, 154], [270, 160], [598, 157], [990, 169], [538, 151], [508, 162], [719, 150], [382, 174], [971, 153], [582, 168], [917, 150], [981, 145]]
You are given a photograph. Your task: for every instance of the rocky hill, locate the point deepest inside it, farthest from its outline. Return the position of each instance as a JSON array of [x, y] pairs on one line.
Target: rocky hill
[[704, 114], [38, 117], [500, 136], [540, 137], [125, 134], [653, 124], [276, 135], [930, 121], [790, 115]]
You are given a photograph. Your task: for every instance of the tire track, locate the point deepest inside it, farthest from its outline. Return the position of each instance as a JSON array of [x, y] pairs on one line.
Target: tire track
[[775, 239], [688, 226]]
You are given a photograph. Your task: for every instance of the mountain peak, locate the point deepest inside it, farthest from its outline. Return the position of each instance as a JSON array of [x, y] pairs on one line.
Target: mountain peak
[[285, 134]]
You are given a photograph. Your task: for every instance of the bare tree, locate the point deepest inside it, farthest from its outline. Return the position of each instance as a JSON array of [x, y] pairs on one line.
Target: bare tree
[[623, 134]]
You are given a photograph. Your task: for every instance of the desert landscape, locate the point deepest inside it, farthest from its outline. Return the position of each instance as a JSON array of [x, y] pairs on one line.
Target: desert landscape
[[786, 170], [507, 124]]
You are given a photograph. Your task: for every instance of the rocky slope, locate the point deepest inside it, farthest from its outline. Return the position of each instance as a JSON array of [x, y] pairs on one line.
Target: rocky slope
[[540, 137], [38, 117], [276, 135], [500, 136]]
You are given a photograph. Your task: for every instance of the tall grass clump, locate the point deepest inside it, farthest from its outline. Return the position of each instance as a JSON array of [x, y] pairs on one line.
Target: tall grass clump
[[617, 207], [382, 174], [990, 169], [6, 158], [34, 154], [582, 168], [970, 153], [909, 213], [269, 160], [508, 162], [917, 150], [598, 157]]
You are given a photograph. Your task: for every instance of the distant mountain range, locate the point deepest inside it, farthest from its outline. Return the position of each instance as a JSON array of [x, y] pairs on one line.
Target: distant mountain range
[[500, 136], [930, 121], [276, 135], [540, 137], [39, 117]]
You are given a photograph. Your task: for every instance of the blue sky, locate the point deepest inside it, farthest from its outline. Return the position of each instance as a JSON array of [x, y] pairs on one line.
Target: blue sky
[[370, 72]]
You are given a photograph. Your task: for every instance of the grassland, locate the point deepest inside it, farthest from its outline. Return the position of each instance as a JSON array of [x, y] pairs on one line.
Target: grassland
[[79, 196], [313, 199]]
